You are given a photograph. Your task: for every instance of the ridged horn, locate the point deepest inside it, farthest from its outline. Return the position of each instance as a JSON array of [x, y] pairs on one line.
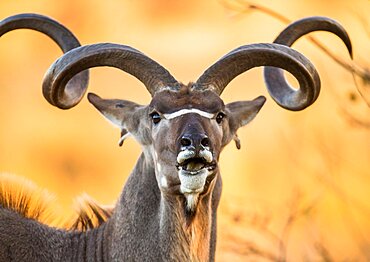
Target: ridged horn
[[238, 61], [128, 59], [274, 77], [56, 31]]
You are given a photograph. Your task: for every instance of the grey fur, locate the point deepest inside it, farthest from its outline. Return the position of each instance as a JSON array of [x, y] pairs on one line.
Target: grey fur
[[144, 227], [150, 221]]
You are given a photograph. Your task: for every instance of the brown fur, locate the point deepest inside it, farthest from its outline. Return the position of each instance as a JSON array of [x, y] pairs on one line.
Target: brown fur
[[199, 239], [90, 214], [25, 198], [28, 200], [168, 101]]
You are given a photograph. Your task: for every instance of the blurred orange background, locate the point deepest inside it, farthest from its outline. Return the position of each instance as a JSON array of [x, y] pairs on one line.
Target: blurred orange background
[[298, 190]]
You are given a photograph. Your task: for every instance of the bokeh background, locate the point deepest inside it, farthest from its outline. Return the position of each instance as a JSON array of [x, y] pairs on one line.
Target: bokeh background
[[298, 190]]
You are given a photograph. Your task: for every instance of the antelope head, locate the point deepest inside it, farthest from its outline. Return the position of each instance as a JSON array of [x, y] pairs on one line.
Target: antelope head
[[185, 127], [182, 132]]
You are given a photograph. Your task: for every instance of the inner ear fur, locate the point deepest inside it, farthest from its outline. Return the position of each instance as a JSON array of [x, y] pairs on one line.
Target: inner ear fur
[[241, 113]]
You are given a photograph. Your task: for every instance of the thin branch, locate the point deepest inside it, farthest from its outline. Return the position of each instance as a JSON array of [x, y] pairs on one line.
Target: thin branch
[[251, 249], [324, 252], [354, 120], [245, 6], [295, 214]]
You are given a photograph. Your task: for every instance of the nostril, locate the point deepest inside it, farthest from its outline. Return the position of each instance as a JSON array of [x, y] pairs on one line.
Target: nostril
[[205, 142], [185, 141]]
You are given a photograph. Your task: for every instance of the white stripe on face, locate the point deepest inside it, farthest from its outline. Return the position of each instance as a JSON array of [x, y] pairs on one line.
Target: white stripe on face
[[188, 111]]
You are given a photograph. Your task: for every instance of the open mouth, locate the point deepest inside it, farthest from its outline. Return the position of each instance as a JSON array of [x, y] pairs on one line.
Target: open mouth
[[195, 164], [194, 170]]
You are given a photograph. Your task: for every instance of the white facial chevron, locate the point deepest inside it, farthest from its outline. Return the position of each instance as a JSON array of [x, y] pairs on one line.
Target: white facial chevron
[[188, 111]]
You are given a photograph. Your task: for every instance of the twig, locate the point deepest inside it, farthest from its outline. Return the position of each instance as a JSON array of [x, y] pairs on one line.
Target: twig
[[364, 73]]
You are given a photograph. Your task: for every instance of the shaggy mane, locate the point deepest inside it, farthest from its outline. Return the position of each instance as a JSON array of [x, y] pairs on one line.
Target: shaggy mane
[[24, 197], [90, 214]]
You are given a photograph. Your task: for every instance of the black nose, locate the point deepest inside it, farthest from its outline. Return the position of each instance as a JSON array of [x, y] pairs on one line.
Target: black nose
[[197, 141]]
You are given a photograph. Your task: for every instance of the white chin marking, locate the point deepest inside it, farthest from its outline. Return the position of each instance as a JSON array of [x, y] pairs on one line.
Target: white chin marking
[[188, 111], [193, 183], [191, 201]]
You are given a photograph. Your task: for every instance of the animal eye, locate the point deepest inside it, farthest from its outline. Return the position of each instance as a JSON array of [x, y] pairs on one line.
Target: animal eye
[[220, 116], [156, 118]]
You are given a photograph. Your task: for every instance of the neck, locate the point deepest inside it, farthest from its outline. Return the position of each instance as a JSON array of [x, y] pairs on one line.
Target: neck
[[149, 223], [181, 238]]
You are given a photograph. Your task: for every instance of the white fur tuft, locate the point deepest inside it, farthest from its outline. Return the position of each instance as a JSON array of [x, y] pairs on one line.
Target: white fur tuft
[[191, 201]]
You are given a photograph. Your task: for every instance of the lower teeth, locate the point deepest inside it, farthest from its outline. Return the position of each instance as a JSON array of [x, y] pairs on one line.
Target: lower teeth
[[194, 166]]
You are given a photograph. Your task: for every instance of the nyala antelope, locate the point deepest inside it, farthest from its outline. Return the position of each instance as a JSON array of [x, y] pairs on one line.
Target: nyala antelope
[[167, 209]]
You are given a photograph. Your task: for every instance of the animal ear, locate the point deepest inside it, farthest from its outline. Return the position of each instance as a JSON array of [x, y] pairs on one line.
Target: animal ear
[[118, 112], [241, 113]]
